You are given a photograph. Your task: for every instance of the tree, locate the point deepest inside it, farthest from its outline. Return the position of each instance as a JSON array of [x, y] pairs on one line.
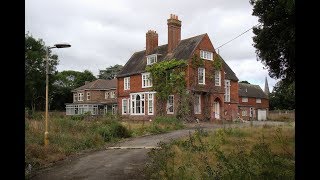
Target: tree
[[35, 72], [274, 38], [110, 72], [246, 82], [283, 96], [64, 83]]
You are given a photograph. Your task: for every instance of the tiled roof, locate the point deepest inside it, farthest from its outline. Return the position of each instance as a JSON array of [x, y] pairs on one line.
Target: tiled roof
[[138, 61], [251, 90], [229, 73], [99, 84]]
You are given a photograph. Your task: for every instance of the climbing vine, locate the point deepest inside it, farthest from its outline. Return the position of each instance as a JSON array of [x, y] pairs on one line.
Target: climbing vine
[[217, 62], [168, 77]]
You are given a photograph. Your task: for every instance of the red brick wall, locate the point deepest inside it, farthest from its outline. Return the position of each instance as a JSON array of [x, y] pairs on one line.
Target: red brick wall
[[252, 103], [234, 91], [192, 74], [95, 95]]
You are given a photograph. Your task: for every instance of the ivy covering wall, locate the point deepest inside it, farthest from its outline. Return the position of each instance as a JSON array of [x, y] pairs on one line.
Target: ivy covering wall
[[169, 78]]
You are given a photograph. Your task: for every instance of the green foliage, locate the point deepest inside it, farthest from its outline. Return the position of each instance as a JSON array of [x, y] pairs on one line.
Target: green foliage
[[283, 96], [217, 62], [68, 136], [64, 83], [274, 39], [111, 130], [110, 72], [35, 72], [256, 162], [168, 77], [246, 82]]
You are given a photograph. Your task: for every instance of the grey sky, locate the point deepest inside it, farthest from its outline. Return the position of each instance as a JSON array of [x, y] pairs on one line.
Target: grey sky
[[104, 33]]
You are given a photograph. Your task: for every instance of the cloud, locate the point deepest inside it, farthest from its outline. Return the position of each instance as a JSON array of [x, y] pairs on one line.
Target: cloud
[[104, 33]]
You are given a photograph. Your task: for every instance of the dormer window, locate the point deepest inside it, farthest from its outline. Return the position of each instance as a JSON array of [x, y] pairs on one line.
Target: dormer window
[[206, 55], [151, 59]]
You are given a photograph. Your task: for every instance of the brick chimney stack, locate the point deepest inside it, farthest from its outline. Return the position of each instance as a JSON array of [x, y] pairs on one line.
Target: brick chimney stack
[[151, 41], [174, 32]]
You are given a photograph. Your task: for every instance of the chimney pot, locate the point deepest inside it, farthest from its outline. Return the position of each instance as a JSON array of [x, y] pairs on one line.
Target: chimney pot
[[151, 41], [174, 32]]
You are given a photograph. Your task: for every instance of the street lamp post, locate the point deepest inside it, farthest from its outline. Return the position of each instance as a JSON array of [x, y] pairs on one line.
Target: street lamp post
[[46, 133]]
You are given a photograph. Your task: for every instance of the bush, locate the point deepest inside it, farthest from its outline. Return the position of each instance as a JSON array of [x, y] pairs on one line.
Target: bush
[[113, 129]]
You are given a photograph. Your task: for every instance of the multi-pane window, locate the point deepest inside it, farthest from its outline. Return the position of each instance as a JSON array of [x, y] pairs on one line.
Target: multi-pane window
[[217, 78], [107, 95], [227, 90], [170, 104], [244, 99], [206, 55], [124, 106], [88, 96], [127, 83], [201, 75], [75, 97], [146, 80], [151, 59], [197, 104], [137, 104], [114, 109], [150, 104], [258, 100], [112, 94], [80, 97]]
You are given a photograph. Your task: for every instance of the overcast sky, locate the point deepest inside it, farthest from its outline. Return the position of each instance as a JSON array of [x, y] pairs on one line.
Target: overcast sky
[[104, 33]]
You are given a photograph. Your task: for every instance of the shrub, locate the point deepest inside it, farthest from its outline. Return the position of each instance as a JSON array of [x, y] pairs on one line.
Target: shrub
[[112, 129]]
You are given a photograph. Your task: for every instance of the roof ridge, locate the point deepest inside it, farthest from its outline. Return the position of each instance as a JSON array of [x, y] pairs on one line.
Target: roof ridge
[[183, 39], [94, 83]]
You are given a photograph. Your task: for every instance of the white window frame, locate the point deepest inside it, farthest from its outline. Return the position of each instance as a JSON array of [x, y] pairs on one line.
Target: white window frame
[[151, 59], [80, 96], [75, 97], [206, 55], [112, 94], [88, 96], [197, 104], [150, 104], [227, 85], [258, 100], [146, 80], [142, 103], [107, 95], [125, 106], [170, 104], [203, 72], [244, 99], [126, 82], [217, 78]]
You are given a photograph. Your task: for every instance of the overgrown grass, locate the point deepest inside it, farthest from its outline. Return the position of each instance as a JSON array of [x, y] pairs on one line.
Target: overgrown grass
[[230, 153], [69, 135], [159, 125]]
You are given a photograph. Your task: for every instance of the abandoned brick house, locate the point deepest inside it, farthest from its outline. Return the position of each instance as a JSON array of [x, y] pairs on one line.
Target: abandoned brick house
[[214, 98], [216, 93], [97, 97], [253, 101]]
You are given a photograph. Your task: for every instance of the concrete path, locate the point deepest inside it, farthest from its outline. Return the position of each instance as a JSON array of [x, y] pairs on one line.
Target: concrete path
[[119, 163]]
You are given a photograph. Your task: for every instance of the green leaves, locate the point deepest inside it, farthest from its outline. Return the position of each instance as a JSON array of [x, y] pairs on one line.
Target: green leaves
[[168, 77], [110, 72], [275, 37]]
